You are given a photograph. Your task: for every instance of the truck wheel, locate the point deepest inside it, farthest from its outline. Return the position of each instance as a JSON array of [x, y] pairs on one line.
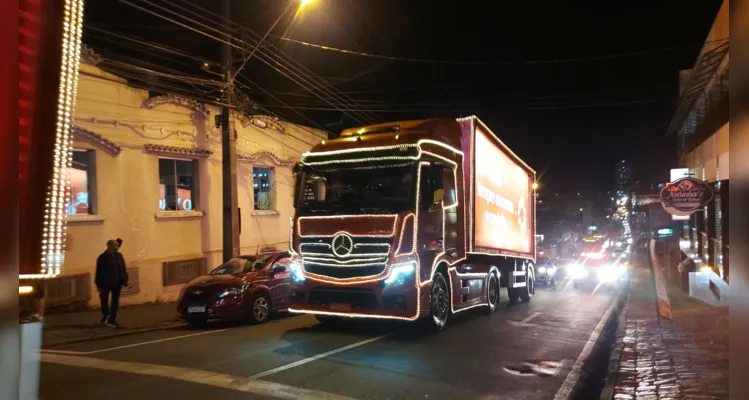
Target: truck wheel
[[492, 294], [439, 303], [527, 291]]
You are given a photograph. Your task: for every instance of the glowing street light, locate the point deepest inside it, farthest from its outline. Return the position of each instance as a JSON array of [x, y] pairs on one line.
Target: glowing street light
[[305, 2], [534, 185]]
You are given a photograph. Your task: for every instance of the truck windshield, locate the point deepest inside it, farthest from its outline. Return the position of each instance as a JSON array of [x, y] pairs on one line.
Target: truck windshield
[[379, 189]]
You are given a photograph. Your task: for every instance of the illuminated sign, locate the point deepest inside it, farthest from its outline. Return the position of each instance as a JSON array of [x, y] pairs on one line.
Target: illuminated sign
[[685, 195], [665, 232], [502, 201]]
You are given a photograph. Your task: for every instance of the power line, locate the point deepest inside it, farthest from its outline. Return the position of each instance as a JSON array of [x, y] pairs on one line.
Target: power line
[[484, 63], [300, 68], [268, 62], [446, 110]]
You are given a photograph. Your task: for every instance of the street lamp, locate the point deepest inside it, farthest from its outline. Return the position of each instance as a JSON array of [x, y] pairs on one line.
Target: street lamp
[[305, 2], [535, 184]]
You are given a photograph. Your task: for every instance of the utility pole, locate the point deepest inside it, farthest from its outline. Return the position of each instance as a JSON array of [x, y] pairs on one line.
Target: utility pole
[[229, 148]]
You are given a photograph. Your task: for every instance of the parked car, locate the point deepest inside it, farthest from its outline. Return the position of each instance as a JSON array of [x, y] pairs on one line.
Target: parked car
[[246, 288], [546, 271]]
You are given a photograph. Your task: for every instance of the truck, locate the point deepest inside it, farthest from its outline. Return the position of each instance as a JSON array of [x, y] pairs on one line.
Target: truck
[[414, 221]]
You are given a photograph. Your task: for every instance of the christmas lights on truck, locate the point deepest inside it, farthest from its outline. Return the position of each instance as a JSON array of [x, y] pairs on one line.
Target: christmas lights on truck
[[415, 220]]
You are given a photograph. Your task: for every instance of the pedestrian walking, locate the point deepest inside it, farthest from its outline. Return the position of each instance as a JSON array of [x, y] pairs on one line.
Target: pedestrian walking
[[111, 276]]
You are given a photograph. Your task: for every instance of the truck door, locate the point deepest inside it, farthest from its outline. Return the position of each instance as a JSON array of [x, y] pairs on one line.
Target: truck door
[[450, 201], [430, 214]]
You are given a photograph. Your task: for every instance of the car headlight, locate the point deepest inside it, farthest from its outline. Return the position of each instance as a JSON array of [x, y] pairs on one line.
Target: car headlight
[[295, 267], [541, 270], [610, 273], [400, 273], [578, 271], [235, 291]]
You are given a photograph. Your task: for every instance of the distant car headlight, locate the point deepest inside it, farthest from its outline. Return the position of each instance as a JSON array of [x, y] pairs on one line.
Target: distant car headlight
[[578, 271], [541, 270], [235, 291], [608, 274]]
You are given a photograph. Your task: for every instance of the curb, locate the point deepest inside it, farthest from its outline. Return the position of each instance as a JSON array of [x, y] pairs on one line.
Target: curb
[[607, 393], [587, 366], [112, 335]]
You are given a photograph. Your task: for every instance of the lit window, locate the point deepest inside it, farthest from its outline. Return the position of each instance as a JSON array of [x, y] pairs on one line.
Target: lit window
[[262, 185], [80, 201], [177, 188]]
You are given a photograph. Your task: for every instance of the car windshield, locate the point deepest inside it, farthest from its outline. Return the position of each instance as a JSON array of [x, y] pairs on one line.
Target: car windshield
[[242, 265], [371, 190]]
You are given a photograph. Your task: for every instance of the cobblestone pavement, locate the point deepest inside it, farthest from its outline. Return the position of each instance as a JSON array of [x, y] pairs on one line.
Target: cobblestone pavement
[[654, 358]]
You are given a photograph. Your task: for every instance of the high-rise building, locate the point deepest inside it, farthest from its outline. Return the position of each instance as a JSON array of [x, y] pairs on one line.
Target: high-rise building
[[622, 175]]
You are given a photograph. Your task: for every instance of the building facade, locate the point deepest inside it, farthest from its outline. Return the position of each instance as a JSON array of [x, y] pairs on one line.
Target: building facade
[[701, 124], [148, 169]]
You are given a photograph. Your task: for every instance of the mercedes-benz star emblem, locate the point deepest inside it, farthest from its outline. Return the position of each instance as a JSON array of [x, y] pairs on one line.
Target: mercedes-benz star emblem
[[342, 244]]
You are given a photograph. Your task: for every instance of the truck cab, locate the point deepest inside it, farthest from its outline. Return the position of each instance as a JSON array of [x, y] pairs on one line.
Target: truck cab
[[383, 227]]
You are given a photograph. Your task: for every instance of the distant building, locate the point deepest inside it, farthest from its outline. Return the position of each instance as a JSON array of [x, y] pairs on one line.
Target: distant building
[[622, 175], [701, 126]]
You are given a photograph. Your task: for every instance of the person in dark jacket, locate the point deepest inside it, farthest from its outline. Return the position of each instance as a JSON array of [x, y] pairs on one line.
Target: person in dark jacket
[[111, 276]]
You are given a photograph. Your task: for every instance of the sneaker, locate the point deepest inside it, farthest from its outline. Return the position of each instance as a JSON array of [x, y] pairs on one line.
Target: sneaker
[[112, 324], [104, 319]]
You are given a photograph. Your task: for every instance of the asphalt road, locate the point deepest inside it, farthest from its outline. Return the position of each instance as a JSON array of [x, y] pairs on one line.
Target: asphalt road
[[475, 357]]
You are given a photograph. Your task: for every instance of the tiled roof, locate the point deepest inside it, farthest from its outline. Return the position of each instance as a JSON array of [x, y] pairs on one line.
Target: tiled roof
[[100, 140]]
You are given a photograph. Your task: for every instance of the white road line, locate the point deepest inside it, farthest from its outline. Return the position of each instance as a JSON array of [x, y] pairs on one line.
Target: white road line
[[576, 372], [530, 317], [247, 385], [317, 357], [127, 346]]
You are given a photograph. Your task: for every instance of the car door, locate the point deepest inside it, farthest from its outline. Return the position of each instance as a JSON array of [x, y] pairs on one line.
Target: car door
[[279, 278]]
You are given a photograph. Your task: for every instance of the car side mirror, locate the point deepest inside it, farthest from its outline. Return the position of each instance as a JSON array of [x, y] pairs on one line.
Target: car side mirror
[[278, 269]]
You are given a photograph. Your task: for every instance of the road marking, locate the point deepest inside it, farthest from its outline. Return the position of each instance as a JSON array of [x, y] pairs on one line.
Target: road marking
[[565, 391], [524, 323], [317, 357], [127, 346], [247, 385]]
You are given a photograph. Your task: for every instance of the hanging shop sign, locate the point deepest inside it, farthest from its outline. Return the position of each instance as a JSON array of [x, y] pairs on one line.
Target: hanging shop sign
[[686, 195]]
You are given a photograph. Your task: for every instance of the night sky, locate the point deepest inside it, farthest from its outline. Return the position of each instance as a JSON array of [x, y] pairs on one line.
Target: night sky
[[571, 90]]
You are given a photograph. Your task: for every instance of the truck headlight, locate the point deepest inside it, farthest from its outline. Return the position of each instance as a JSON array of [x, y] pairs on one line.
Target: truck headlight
[[295, 267], [400, 273]]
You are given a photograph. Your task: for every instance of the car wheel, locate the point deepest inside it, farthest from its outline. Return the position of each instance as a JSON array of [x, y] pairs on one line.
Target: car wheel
[[260, 308], [439, 304], [492, 294]]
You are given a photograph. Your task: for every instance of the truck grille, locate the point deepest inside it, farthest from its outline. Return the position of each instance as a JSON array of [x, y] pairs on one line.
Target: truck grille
[[347, 257]]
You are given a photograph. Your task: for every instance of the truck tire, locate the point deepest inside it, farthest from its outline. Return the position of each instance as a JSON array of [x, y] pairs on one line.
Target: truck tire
[[527, 292], [492, 294], [439, 303]]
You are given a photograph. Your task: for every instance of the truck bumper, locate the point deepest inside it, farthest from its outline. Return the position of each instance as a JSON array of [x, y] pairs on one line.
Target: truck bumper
[[369, 300]]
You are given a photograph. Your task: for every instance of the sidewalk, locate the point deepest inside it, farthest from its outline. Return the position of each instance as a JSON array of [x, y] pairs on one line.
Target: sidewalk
[[654, 358], [82, 326]]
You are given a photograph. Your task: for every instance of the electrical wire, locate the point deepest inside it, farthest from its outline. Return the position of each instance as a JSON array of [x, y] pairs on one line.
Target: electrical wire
[[229, 43], [331, 89], [336, 93], [484, 63]]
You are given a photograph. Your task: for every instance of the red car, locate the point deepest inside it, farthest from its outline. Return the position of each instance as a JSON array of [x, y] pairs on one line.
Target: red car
[[246, 288]]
